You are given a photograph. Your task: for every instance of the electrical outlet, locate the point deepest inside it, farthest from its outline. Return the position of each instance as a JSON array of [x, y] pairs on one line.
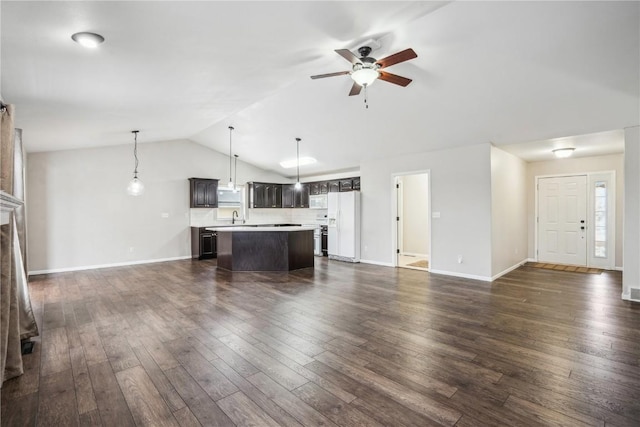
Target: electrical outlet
[[164, 215], [131, 249], [459, 259], [366, 248]]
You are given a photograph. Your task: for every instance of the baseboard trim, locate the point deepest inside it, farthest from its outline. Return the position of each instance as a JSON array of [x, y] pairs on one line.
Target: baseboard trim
[[509, 270], [368, 261], [616, 268], [463, 275], [96, 267]]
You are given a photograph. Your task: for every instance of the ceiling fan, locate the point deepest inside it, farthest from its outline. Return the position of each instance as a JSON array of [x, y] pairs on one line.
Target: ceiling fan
[[365, 70]]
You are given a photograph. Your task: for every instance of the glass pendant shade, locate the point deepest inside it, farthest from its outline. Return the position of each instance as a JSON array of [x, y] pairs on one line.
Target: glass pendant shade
[[135, 187], [365, 76], [298, 185]]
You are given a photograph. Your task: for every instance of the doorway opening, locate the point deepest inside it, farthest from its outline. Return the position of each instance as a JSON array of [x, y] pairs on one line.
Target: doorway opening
[[575, 219], [412, 225]]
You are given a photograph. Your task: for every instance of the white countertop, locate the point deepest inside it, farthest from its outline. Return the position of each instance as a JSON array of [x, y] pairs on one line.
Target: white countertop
[[289, 228]]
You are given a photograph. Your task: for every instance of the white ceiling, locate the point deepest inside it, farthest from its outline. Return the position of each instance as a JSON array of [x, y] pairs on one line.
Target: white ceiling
[[500, 72]]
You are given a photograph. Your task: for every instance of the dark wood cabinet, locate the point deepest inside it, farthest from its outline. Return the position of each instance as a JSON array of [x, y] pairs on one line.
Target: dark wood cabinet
[[273, 196], [302, 196], [288, 196], [346, 184], [356, 184], [334, 186], [266, 195], [203, 193], [314, 188], [257, 195], [203, 243], [292, 198]]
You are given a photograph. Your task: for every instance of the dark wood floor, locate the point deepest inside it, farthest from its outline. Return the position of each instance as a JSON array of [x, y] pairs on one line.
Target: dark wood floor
[[181, 343]]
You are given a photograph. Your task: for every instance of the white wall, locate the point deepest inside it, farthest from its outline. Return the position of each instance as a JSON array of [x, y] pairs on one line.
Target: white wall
[[415, 214], [80, 215], [460, 192], [508, 211], [631, 276], [613, 162]]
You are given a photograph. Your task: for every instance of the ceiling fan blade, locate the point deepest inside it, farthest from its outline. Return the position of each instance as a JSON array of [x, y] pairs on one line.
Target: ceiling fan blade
[[322, 76], [395, 79], [396, 58], [348, 55], [355, 89]]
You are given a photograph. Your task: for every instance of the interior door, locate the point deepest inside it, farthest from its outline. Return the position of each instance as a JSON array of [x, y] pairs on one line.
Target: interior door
[[562, 220]]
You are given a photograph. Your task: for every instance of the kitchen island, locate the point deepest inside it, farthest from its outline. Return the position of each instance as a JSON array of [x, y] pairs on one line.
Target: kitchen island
[[264, 248]]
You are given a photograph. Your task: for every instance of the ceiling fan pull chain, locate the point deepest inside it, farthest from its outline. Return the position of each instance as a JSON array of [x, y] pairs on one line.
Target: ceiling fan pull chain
[[366, 104]]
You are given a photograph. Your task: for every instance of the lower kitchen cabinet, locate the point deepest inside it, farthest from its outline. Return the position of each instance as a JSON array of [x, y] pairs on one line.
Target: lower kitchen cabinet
[[203, 243]]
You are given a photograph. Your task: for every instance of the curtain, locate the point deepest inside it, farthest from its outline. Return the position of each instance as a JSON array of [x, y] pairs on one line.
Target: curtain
[[17, 321]]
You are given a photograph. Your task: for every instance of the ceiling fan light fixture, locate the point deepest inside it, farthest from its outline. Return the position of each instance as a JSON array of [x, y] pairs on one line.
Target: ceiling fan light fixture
[[365, 76], [563, 153], [88, 40]]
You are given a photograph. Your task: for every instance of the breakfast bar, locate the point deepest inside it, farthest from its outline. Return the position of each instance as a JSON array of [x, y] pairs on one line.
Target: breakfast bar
[[264, 248]]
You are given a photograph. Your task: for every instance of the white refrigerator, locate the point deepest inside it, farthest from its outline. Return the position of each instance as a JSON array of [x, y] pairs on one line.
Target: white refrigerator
[[343, 217]]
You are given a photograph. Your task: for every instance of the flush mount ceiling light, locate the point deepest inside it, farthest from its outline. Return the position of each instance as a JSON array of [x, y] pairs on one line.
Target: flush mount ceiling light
[[563, 153], [88, 40], [135, 187], [288, 164]]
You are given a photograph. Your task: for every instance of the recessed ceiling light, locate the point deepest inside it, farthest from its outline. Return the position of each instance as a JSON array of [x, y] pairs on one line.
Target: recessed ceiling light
[[89, 40], [562, 153], [287, 164]]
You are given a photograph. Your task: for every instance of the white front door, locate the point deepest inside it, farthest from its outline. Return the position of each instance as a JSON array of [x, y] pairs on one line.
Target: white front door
[[562, 220]]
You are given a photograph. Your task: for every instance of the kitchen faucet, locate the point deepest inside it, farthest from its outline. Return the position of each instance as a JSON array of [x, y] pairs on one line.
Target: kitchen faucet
[[234, 215]]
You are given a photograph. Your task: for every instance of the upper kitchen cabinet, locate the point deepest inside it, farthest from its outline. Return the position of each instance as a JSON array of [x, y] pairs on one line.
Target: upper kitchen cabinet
[[292, 198], [265, 195], [346, 184], [356, 184], [316, 188], [334, 186], [273, 196], [203, 193], [302, 196], [288, 196]]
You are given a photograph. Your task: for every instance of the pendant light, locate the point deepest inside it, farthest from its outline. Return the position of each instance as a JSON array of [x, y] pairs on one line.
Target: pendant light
[[135, 187], [298, 185], [230, 185], [235, 173]]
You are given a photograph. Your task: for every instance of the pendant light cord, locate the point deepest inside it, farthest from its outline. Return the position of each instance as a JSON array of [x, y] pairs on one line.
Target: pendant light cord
[[230, 145], [298, 159], [135, 152], [235, 169]]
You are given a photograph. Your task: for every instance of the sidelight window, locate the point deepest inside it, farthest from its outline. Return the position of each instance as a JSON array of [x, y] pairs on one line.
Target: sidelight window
[[601, 214]]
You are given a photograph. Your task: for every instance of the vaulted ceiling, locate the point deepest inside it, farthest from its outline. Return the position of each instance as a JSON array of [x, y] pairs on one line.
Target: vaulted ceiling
[[500, 72]]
